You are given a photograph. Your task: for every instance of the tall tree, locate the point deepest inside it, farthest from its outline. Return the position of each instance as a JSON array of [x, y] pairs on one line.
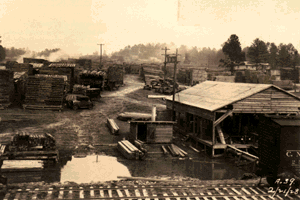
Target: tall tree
[[2, 53], [232, 48], [273, 58], [258, 51], [284, 56], [296, 59]]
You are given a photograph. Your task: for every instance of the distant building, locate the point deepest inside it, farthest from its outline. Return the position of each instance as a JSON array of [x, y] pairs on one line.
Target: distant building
[[253, 66]]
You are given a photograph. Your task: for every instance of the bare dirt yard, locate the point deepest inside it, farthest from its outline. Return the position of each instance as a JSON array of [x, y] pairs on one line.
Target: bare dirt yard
[[84, 127]]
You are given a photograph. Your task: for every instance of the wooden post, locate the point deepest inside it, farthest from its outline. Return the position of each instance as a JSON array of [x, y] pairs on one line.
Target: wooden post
[[194, 124], [213, 135]]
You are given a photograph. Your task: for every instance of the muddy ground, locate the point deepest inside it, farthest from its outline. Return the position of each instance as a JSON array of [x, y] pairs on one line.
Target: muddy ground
[[76, 129]]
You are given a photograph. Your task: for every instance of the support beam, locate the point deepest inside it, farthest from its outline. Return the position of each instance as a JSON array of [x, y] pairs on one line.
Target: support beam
[[218, 121]]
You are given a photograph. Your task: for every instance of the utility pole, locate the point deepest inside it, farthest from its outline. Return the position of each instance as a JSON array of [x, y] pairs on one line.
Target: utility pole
[[100, 54], [165, 63], [174, 84]]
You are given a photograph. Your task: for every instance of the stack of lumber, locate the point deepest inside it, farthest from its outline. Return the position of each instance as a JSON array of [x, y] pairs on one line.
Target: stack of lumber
[[129, 150], [115, 73], [176, 151], [113, 127], [23, 165], [44, 91], [6, 87], [19, 67]]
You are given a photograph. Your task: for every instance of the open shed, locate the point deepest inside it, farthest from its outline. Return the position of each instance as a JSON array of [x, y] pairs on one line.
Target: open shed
[[152, 131], [215, 114]]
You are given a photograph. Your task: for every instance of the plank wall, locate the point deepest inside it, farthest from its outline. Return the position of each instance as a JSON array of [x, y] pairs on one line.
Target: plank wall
[[271, 100]]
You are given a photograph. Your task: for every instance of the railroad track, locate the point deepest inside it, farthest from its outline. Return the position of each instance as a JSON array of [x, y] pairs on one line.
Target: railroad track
[[192, 192]]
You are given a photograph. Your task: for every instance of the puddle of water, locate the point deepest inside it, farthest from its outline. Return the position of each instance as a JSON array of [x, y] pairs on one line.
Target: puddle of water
[[203, 170], [86, 170]]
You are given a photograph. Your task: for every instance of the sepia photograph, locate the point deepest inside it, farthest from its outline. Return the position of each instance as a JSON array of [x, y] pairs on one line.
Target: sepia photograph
[[150, 99]]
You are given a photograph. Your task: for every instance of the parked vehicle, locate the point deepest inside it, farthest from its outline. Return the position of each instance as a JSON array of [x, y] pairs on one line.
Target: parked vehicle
[[76, 101]]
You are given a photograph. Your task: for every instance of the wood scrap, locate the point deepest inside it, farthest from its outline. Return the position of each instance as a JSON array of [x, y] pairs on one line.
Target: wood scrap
[[172, 152], [113, 127], [196, 150], [164, 149]]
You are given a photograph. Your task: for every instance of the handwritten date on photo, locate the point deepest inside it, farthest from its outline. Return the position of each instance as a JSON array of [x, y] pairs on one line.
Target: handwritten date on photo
[[284, 187]]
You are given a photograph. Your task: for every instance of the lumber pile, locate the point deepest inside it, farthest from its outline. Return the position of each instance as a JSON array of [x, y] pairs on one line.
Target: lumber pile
[[115, 73], [113, 127], [6, 87], [176, 151], [129, 150], [44, 91]]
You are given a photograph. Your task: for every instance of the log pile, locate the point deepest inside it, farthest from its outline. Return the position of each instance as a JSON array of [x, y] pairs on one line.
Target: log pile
[[6, 87], [44, 91], [129, 150]]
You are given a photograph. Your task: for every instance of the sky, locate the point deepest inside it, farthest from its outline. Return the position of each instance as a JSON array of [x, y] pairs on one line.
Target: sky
[[77, 26]]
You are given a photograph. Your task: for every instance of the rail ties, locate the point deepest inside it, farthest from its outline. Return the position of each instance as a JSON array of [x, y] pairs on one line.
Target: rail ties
[[92, 192], [34, 196], [120, 194], [145, 193], [18, 195], [175, 194], [61, 193], [49, 195], [70, 194], [126, 192], [81, 193]]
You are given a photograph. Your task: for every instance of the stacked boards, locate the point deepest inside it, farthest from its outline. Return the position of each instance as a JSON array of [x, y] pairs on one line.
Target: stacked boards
[[44, 92], [6, 87]]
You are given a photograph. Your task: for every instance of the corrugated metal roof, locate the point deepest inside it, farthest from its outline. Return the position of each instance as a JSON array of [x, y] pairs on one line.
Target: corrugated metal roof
[[213, 95], [36, 65], [287, 122], [62, 65]]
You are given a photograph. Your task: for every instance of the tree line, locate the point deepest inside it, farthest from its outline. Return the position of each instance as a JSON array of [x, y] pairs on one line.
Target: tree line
[[231, 53]]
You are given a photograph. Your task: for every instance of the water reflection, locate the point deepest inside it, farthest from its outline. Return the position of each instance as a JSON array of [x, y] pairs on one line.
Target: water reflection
[[86, 170], [186, 168]]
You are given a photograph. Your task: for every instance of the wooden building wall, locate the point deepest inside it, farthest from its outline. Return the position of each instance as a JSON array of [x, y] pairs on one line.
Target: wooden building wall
[[271, 100], [155, 132]]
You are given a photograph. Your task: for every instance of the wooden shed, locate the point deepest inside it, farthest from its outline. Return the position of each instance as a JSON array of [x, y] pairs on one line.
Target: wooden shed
[[279, 144], [152, 131], [216, 114]]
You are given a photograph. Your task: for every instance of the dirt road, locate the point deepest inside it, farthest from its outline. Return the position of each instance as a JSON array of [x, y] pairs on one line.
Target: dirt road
[[72, 129]]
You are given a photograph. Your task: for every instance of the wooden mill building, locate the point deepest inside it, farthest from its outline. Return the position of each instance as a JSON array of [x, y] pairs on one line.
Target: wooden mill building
[[216, 114]]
